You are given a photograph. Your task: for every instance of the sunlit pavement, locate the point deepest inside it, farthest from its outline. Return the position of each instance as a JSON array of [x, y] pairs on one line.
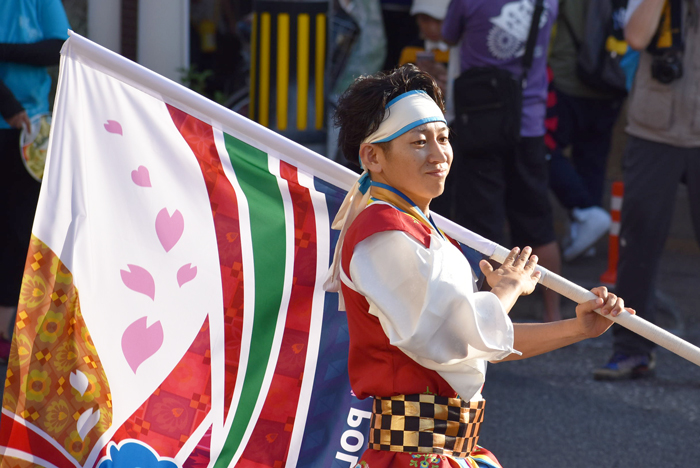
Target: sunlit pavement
[[549, 412]]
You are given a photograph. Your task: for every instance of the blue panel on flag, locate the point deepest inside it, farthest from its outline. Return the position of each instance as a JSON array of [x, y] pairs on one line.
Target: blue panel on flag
[[474, 258]]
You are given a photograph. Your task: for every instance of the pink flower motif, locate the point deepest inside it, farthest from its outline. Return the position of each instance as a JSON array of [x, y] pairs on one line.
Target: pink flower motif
[[140, 280], [140, 342], [141, 177], [185, 274], [112, 126], [169, 228]]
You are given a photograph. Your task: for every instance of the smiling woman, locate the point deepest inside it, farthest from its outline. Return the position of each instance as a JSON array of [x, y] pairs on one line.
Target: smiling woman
[[420, 332]]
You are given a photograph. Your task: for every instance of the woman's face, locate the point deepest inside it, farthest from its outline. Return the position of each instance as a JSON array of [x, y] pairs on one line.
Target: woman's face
[[417, 162]]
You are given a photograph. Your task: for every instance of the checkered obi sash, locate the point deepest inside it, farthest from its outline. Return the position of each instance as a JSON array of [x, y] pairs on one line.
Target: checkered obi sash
[[425, 424]]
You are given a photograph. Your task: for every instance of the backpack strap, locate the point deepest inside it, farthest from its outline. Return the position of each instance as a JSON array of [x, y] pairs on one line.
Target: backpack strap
[[670, 28], [531, 40]]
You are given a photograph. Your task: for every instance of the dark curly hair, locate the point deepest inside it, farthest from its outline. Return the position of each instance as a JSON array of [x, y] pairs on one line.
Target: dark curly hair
[[362, 106]]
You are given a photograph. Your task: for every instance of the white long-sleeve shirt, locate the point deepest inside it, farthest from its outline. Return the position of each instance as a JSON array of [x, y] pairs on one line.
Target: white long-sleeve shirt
[[426, 302]]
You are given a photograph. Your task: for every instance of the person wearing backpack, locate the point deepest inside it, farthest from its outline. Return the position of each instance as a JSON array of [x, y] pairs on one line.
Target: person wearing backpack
[[663, 150], [587, 105], [500, 171]]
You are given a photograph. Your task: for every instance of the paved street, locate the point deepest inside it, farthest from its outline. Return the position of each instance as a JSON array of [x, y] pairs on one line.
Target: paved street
[[549, 412]]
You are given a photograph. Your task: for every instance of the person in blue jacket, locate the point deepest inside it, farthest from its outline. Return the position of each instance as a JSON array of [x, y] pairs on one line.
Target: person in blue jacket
[[31, 35]]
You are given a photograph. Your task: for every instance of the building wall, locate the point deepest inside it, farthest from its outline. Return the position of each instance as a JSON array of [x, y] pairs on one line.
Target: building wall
[[163, 36], [104, 23], [162, 32]]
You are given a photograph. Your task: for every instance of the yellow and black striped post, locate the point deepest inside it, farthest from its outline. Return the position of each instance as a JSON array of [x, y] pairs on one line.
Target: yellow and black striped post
[[288, 66]]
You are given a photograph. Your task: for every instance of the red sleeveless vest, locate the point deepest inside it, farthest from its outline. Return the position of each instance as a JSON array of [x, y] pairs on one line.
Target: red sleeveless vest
[[375, 366]]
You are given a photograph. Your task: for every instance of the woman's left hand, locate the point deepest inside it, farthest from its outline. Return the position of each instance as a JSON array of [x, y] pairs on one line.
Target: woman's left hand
[[594, 324]]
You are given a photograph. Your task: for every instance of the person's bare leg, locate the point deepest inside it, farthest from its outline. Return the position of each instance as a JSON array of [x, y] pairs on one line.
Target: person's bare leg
[[550, 258]]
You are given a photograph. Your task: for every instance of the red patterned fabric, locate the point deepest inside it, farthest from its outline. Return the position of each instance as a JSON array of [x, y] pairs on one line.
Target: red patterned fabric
[[224, 205], [200, 456], [480, 458]]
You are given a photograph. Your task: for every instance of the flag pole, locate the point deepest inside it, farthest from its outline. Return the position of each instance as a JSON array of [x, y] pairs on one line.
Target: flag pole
[[576, 293]]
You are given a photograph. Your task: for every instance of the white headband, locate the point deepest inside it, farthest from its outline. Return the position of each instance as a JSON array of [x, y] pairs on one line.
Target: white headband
[[406, 112]]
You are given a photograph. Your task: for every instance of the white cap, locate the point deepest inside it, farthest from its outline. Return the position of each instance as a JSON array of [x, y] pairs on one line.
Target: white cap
[[435, 8]]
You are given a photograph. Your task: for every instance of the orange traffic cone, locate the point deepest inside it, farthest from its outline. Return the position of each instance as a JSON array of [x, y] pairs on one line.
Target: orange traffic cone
[[609, 278]]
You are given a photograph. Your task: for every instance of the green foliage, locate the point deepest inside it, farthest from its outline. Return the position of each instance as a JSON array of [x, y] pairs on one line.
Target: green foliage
[[196, 80]]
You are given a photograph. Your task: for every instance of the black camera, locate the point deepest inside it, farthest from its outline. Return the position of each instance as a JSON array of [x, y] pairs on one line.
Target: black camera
[[667, 67]]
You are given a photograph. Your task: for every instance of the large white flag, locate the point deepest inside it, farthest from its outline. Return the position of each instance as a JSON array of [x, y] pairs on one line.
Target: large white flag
[[172, 312]]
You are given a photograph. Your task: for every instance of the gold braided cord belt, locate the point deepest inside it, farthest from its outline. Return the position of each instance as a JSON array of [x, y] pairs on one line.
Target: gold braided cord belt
[[425, 424]]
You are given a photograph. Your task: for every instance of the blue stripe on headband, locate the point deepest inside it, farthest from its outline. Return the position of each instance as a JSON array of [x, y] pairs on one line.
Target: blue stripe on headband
[[410, 126], [406, 94]]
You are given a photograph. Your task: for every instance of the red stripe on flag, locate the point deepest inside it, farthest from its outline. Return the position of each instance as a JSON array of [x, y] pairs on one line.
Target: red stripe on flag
[[19, 437], [224, 207], [269, 442]]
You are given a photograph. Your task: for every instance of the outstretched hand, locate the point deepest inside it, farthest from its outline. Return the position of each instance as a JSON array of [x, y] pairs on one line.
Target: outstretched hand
[[595, 324], [517, 272]]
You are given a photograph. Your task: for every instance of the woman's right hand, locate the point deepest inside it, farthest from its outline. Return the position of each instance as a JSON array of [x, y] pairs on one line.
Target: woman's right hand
[[19, 120], [516, 275]]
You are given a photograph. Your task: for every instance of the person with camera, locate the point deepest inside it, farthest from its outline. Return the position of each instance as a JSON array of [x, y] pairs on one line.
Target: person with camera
[[662, 150]]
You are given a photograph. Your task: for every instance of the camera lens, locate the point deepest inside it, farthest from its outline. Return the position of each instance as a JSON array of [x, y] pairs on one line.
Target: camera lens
[[666, 75], [665, 69]]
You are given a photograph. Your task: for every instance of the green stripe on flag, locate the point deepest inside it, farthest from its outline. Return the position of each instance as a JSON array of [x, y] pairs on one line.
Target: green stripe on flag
[[268, 232]]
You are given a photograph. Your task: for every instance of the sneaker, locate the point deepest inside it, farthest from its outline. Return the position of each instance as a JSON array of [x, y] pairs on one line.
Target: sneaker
[[624, 366], [587, 227]]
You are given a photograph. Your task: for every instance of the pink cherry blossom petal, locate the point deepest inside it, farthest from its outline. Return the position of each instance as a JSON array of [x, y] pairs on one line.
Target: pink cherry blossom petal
[[140, 280], [169, 228], [141, 177], [112, 126], [140, 342], [185, 274]]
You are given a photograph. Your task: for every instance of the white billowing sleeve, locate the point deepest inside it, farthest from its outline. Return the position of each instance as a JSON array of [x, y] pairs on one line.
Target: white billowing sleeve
[[427, 306]]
